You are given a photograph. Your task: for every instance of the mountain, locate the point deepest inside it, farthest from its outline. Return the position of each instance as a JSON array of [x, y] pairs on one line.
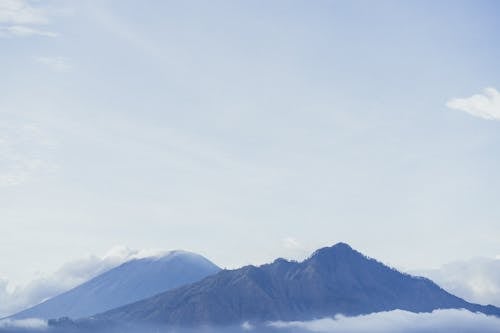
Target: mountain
[[132, 281], [334, 280]]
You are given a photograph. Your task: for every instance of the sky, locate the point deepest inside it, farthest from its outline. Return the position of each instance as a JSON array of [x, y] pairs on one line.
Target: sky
[[248, 130]]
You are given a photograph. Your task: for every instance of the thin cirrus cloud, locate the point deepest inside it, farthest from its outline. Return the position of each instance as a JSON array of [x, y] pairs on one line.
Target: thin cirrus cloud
[[18, 18], [25, 151], [24, 31], [485, 105], [21, 12], [57, 64]]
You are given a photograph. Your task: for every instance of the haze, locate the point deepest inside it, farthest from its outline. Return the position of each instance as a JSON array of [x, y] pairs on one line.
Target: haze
[[248, 130]]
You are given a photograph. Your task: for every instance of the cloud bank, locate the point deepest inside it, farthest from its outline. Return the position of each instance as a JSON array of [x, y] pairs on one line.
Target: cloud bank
[[399, 321], [28, 324], [476, 280], [485, 105], [14, 298]]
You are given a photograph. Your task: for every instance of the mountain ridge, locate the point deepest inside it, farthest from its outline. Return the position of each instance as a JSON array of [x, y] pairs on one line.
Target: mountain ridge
[[333, 280]]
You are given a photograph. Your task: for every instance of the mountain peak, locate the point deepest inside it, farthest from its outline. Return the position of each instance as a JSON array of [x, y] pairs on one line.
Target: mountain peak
[[176, 254], [129, 282], [334, 280], [341, 245], [334, 250]]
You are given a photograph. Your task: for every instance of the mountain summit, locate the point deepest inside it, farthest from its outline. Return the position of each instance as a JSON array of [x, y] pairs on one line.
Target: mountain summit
[[334, 280], [131, 281]]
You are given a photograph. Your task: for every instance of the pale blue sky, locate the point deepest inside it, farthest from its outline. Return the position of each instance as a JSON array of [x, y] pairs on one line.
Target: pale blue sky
[[246, 130]]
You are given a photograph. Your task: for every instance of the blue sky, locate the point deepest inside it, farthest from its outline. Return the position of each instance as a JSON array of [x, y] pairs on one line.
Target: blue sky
[[246, 130]]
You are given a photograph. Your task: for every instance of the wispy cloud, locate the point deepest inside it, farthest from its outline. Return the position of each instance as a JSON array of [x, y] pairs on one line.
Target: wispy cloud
[[485, 105], [399, 321], [25, 151], [294, 248], [24, 31], [246, 326], [57, 64], [18, 18], [476, 280], [21, 12], [291, 243]]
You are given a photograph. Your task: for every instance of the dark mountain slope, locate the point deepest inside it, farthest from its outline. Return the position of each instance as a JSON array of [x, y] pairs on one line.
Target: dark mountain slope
[[333, 280]]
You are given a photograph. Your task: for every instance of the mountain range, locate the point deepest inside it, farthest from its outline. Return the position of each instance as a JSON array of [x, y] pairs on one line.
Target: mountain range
[[333, 280]]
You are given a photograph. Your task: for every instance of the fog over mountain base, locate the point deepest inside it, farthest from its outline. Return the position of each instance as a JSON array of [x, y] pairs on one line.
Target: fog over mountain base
[[396, 321]]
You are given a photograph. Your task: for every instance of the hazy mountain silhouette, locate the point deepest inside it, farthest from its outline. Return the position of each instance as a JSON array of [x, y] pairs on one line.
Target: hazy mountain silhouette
[[132, 281], [334, 280]]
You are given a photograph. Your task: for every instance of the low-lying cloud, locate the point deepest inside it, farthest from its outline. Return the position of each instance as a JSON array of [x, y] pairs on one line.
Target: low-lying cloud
[[485, 105], [399, 321], [28, 324], [396, 321]]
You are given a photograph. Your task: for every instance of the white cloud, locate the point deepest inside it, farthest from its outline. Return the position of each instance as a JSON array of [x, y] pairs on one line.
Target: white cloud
[[18, 18], [246, 326], [476, 280], [14, 298], [57, 64], [30, 323], [399, 321], [485, 105], [24, 31], [295, 249], [21, 12], [291, 243]]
